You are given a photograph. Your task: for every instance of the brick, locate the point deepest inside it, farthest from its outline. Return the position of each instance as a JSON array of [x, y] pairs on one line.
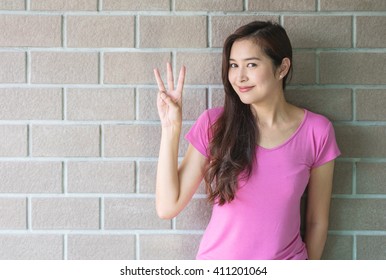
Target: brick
[[209, 5], [343, 178], [133, 213], [30, 31], [147, 176], [100, 104], [64, 5], [201, 68], [217, 97], [361, 141], [30, 104], [195, 216], [132, 140], [371, 178], [194, 103], [338, 248], [357, 214], [169, 247], [101, 177], [31, 177], [64, 68], [371, 32], [336, 104], [173, 32], [134, 5], [304, 68], [14, 213], [371, 248], [31, 247], [101, 247], [65, 213], [65, 140], [13, 141], [223, 26], [100, 31], [278, 5], [12, 5], [371, 105], [310, 32], [352, 68], [352, 5], [12, 67], [136, 140], [133, 68]]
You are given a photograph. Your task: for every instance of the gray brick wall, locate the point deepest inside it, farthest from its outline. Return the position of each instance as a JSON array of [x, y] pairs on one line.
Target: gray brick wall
[[79, 132]]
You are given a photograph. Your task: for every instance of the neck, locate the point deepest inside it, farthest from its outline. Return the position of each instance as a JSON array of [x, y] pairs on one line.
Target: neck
[[270, 112]]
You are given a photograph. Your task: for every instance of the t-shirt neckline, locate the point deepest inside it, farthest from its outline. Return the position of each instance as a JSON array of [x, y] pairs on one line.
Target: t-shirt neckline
[[290, 138]]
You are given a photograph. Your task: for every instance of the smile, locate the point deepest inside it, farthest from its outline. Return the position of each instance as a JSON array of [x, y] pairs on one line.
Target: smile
[[245, 89]]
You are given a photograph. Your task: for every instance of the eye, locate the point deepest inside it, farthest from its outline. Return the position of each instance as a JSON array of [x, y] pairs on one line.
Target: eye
[[232, 65], [251, 65]]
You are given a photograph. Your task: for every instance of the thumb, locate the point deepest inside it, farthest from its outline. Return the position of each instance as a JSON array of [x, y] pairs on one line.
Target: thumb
[[166, 98]]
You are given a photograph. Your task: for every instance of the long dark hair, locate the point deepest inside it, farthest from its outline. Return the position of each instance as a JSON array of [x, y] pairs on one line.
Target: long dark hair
[[235, 133]]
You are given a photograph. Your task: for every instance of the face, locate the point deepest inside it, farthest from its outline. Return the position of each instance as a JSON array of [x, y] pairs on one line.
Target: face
[[252, 73]]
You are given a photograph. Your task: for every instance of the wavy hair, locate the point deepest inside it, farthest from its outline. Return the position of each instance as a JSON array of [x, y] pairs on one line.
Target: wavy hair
[[235, 133]]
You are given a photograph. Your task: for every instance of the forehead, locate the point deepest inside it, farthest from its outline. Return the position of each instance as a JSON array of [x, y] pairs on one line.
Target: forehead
[[246, 48]]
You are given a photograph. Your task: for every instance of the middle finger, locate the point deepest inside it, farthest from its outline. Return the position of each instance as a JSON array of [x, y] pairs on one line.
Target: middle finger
[[170, 77]]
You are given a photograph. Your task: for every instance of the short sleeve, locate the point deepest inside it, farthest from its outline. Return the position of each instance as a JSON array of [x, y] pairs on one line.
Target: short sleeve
[[328, 148], [200, 133]]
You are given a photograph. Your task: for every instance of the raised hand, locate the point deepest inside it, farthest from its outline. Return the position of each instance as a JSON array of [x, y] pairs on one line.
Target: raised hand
[[169, 102]]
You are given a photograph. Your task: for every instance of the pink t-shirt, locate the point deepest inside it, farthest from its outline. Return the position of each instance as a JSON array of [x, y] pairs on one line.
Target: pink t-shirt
[[263, 221]]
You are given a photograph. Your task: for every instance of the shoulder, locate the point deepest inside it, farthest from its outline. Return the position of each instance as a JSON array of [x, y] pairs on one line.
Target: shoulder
[[215, 113], [323, 142], [210, 116], [317, 122]]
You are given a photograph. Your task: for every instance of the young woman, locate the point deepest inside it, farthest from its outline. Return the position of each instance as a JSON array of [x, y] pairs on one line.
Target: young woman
[[257, 155]]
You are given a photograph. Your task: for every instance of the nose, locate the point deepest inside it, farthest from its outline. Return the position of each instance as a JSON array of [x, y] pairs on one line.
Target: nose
[[242, 75]]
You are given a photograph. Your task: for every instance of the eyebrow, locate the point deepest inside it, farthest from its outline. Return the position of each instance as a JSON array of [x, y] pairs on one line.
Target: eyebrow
[[246, 59]]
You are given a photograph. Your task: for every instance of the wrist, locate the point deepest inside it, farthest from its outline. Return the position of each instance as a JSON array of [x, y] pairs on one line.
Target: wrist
[[171, 131]]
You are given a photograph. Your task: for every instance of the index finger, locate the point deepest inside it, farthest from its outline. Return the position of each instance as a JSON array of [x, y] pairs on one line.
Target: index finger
[[158, 78]]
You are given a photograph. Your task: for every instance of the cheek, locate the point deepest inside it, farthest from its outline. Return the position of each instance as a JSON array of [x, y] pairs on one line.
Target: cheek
[[231, 77], [263, 76]]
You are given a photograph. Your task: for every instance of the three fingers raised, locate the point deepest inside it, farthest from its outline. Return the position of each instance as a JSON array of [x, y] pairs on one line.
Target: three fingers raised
[[170, 79]]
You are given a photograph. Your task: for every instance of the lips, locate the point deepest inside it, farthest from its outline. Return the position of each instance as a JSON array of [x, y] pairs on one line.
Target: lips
[[245, 89]]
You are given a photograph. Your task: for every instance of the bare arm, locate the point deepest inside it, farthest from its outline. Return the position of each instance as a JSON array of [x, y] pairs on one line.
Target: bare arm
[[318, 206], [175, 185]]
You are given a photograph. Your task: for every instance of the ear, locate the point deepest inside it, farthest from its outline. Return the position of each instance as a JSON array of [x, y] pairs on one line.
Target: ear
[[284, 68]]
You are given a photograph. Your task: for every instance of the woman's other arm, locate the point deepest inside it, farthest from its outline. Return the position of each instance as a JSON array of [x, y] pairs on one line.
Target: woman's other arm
[[318, 206]]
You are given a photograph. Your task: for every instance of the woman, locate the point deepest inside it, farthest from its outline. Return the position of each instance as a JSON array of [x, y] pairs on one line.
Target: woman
[[257, 155]]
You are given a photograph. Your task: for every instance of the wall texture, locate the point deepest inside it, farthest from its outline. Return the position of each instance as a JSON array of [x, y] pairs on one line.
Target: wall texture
[[79, 131]]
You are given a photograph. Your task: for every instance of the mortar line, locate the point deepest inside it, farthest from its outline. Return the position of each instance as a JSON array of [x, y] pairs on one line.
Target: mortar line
[[246, 5], [64, 31], [137, 247], [137, 35], [354, 31], [354, 249], [101, 68], [102, 213], [65, 247], [354, 178], [65, 177]]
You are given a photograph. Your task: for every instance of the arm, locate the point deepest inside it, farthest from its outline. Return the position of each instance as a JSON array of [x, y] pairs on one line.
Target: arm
[[175, 185], [318, 206]]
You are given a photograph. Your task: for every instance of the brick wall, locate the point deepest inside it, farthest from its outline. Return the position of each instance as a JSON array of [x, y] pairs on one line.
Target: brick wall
[[79, 132]]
